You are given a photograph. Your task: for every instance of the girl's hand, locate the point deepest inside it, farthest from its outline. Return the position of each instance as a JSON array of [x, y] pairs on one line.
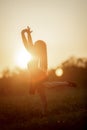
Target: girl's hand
[[28, 30]]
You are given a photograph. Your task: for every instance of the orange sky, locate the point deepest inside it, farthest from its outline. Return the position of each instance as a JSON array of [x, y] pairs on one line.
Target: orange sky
[[62, 24]]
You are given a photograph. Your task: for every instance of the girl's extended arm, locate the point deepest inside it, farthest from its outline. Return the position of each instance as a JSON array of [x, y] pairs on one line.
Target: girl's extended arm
[[27, 39]]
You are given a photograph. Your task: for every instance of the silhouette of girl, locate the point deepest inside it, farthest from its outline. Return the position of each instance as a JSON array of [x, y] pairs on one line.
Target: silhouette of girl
[[38, 67]]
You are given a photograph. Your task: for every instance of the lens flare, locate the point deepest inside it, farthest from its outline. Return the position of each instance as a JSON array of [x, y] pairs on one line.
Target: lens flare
[[59, 72]]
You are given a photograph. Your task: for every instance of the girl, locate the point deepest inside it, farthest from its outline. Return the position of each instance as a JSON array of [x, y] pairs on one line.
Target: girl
[[38, 67]]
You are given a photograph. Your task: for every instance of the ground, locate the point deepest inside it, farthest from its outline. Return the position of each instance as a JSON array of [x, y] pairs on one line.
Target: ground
[[67, 109]]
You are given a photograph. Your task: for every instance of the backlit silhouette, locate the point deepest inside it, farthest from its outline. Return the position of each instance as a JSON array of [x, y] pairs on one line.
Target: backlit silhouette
[[38, 67]]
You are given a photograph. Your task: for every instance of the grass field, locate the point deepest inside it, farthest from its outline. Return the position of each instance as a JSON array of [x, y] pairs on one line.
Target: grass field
[[67, 109]]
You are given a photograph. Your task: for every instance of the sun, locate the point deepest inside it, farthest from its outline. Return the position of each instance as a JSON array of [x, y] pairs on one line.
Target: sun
[[59, 72], [22, 58]]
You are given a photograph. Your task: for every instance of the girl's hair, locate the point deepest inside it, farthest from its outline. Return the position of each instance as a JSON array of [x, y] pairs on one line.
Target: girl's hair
[[41, 53]]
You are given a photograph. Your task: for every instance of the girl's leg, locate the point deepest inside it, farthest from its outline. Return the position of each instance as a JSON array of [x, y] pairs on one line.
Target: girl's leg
[[42, 94], [54, 84]]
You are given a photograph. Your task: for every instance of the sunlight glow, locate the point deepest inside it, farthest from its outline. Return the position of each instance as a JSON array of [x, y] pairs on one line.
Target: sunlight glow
[[22, 58], [1, 75], [59, 72]]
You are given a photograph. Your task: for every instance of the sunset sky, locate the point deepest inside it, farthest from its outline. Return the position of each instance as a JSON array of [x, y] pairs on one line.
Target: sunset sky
[[62, 24]]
